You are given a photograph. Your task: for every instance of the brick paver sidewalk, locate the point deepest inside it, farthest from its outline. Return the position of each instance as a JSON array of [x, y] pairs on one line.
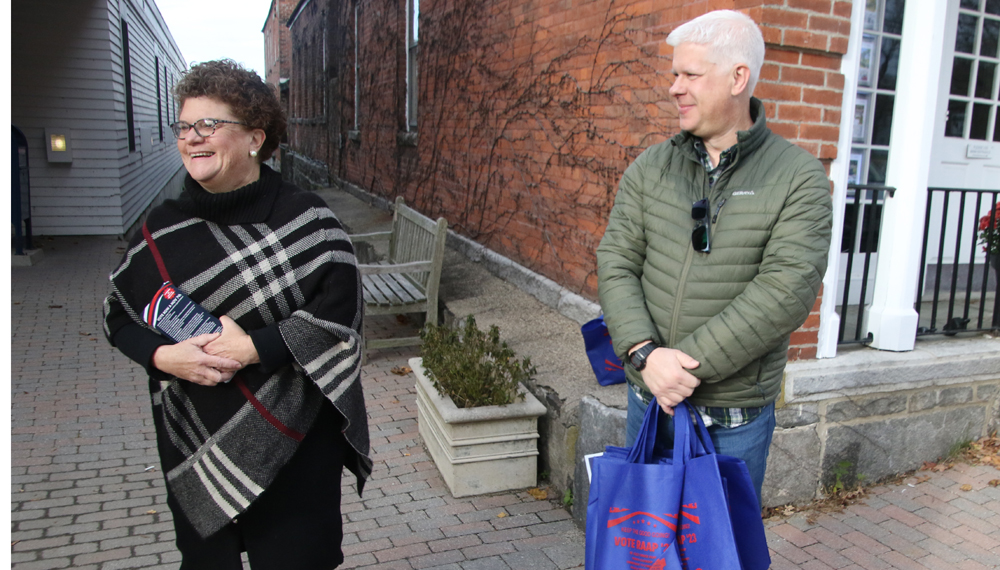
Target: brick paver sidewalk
[[940, 521], [84, 496], [83, 442]]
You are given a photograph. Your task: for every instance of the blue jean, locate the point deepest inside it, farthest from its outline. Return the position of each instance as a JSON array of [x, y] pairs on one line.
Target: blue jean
[[750, 442]]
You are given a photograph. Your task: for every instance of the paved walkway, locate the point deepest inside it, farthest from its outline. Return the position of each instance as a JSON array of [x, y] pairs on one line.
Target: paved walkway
[[87, 492]]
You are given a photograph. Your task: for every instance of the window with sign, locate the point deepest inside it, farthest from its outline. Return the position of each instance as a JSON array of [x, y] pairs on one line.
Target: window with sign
[[877, 69], [974, 91]]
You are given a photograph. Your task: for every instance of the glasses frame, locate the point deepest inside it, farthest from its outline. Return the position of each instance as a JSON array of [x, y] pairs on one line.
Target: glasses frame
[[176, 127], [701, 214]]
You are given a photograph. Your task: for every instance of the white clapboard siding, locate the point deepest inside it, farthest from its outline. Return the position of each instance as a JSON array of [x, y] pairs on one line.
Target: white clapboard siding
[[67, 72]]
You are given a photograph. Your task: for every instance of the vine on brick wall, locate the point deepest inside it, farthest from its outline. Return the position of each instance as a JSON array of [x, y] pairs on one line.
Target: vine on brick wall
[[523, 133]]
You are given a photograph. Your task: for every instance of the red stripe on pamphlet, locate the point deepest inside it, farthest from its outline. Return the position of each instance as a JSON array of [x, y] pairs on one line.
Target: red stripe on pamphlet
[[267, 415]]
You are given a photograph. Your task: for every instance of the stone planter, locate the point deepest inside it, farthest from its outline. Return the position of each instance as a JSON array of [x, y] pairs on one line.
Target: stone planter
[[479, 450]]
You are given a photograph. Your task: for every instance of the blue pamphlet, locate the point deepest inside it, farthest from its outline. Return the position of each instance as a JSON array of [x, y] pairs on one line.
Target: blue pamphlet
[[178, 317]]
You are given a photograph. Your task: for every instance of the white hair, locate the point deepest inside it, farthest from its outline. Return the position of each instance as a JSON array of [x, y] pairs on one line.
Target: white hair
[[733, 38]]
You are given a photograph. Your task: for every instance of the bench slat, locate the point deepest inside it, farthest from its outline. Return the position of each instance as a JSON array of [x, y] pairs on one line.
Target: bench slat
[[391, 289]]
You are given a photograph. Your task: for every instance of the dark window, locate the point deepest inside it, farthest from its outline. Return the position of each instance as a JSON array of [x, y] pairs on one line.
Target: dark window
[[980, 120], [127, 71], [882, 122], [955, 127], [159, 101], [961, 72]]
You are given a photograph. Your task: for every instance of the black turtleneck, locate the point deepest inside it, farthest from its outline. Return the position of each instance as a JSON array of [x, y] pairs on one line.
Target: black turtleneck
[[251, 204]]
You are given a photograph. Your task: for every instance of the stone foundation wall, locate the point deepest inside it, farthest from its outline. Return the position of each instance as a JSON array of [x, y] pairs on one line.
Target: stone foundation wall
[[863, 416], [304, 172]]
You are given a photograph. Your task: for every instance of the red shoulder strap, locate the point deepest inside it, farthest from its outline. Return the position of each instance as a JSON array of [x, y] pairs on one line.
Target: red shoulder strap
[[156, 252]]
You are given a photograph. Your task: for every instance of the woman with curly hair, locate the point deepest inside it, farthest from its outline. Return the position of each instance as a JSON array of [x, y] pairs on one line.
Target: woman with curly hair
[[254, 422]]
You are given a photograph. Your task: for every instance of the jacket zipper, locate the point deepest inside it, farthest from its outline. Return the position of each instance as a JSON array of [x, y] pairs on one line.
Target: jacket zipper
[[678, 297], [718, 210], [675, 317]]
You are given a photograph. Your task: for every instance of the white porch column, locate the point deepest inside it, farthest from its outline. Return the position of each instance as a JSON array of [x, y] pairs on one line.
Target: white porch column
[[891, 317]]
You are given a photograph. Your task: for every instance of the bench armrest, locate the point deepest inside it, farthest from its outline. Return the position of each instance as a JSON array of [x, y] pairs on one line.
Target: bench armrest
[[373, 236], [411, 267]]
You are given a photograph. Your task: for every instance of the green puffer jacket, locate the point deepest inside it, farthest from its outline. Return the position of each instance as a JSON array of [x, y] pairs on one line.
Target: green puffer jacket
[[734, 308]]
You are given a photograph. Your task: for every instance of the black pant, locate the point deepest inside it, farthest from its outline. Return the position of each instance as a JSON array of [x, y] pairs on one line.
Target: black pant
[[294, 523]]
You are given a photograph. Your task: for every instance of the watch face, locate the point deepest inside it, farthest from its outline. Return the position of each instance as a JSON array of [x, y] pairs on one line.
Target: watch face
[[638, 358]]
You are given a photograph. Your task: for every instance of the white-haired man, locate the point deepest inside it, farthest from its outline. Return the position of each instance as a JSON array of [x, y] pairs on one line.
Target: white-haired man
[[715, 248]]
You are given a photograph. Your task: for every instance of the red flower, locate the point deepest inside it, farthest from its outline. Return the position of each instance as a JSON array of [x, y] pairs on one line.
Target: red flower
[[989, 234], [984, 222]]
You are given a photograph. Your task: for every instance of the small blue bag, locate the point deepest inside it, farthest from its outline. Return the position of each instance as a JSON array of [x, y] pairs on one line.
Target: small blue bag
[[606, 364]]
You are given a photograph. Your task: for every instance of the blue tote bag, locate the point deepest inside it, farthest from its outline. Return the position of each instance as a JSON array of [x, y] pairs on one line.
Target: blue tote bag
[[606, 364], [634, 506], [744, 509], [719, 524]]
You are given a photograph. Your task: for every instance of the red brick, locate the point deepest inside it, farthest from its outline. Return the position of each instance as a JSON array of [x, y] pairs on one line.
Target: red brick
[[827, 152], [841, 26], [782, 18], [810, 40], [789, 131], [820, 132], [827, 97], [788, 57], [821, 61], [803, 75], [772, 35], [842, 9], [801, 113], [838, 44], [770, 72], [778, 92], [801, 353], [818, 6], [803, 338], [835, 80]]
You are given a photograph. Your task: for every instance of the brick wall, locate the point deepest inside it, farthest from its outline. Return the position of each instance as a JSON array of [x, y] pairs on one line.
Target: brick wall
[[530, 110], [309, 132]]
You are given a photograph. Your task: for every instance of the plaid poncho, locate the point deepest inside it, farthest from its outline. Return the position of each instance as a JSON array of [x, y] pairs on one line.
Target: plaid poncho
[[272, 258]]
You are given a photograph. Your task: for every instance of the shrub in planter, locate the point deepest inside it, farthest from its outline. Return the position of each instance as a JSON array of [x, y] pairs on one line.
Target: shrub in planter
[[472, 367], [478, 421]]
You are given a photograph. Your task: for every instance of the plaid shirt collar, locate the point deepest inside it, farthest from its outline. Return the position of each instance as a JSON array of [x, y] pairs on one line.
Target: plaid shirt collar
[[725, 160]]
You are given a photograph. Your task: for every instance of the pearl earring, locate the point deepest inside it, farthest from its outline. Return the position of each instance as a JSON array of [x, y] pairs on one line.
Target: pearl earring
[[253, 153]]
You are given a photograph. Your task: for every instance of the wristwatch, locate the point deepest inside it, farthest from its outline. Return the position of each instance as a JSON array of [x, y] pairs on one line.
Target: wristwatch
[[638, 358]]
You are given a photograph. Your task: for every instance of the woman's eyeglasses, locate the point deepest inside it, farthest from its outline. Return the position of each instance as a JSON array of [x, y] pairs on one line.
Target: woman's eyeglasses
[[202, 127], [702, 223]]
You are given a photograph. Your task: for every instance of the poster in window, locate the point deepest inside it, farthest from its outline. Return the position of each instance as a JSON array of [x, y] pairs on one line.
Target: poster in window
[[854, 170], [865, 67], [871, 15], [860, 128]]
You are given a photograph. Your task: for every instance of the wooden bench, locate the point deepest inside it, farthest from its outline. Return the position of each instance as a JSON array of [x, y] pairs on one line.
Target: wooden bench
[[408, 281]]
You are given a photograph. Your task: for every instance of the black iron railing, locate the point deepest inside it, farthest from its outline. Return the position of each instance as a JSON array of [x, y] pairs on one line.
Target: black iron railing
[[862, 220], [964, 288]]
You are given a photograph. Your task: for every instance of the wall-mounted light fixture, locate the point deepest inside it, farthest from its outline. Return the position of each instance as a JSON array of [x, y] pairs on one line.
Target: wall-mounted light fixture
[[58, 145]]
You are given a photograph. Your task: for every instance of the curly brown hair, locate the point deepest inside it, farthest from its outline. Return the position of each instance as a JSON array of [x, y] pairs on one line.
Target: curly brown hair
[[251, 99]]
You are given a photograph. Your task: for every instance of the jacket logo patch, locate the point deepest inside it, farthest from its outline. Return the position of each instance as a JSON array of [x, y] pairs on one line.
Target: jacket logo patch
[[743, 193]]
